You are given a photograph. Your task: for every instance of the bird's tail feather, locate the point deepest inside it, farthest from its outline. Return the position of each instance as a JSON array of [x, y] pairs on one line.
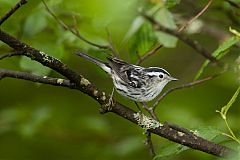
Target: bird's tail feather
[[98, 62]]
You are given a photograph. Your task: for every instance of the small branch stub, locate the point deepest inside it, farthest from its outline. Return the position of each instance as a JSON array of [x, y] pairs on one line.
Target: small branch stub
[[84, 82]]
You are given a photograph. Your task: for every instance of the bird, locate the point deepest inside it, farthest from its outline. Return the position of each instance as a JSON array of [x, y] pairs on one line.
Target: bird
[[137, 83]]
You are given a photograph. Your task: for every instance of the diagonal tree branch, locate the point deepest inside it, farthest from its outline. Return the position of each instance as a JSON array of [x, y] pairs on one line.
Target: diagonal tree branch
[[154, 50], [148, 54], [40, 57], [13, 10], [192, 43], [234, 4], [80, 83]]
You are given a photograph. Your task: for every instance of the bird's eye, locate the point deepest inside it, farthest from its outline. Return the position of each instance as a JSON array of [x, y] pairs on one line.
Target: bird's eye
[[161, 76]]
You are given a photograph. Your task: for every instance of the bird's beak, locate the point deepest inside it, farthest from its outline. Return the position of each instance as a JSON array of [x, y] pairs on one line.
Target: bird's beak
[[172, 78]]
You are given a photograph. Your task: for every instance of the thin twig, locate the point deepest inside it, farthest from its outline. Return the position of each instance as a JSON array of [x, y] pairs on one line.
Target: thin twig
[[148, 54], [35, 78], [195, 17], [234, 4], [16, 53], [182, 87], [111, 45], [13, 10], [192, 43], [73, 31], [148, 140], [75, 24], [150, 111], [149, 143]]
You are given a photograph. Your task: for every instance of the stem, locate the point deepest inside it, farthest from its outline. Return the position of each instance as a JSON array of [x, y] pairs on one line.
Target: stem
[[231, 132]]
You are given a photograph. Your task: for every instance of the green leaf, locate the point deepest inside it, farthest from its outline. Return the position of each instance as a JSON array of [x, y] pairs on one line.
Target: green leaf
[[165, 18], [225, 109], [35, 23], [169, 150], [135, 26], [171, 3], [208, 132], [166, 39], [221, 51], [235, 156], [142, 41]]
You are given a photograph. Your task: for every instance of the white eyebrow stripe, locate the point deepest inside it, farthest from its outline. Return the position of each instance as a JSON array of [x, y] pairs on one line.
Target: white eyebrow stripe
[[153, 73], [156, 69]]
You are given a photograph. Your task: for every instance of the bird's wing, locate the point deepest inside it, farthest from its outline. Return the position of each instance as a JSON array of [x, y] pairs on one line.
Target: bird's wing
[[129, 73]]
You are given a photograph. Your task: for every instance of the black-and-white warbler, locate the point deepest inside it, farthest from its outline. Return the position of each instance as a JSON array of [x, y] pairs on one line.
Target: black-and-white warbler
[[135, 82]]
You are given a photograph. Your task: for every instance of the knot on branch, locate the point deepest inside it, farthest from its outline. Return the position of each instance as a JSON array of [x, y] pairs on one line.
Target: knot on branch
[[105, 101], [84, 82], [107, 106]]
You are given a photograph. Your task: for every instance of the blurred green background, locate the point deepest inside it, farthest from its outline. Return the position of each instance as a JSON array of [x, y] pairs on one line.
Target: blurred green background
[[40, 121]]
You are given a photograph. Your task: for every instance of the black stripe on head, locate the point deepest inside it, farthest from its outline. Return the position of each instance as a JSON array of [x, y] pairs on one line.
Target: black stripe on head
[[156, 69]]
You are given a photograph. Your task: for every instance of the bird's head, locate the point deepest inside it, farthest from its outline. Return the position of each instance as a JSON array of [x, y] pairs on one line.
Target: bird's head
[[159, 76]]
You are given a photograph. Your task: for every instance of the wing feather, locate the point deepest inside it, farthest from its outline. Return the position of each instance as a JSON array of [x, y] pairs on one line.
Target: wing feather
[[129, 73]]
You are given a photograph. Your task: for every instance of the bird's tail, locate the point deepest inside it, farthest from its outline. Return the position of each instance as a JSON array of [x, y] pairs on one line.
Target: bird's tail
[[98, 62]]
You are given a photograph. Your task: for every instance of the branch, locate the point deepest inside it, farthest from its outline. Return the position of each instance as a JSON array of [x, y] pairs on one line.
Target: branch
[[195, 17], [192, 43], [234, 4], [154, 50], [185, 138], [148, 54], [13, 10], [149, 143], [111, 45], [39, 56], [182, 87], [73, 31], [35, 78], [83, 85], [16, 53]]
